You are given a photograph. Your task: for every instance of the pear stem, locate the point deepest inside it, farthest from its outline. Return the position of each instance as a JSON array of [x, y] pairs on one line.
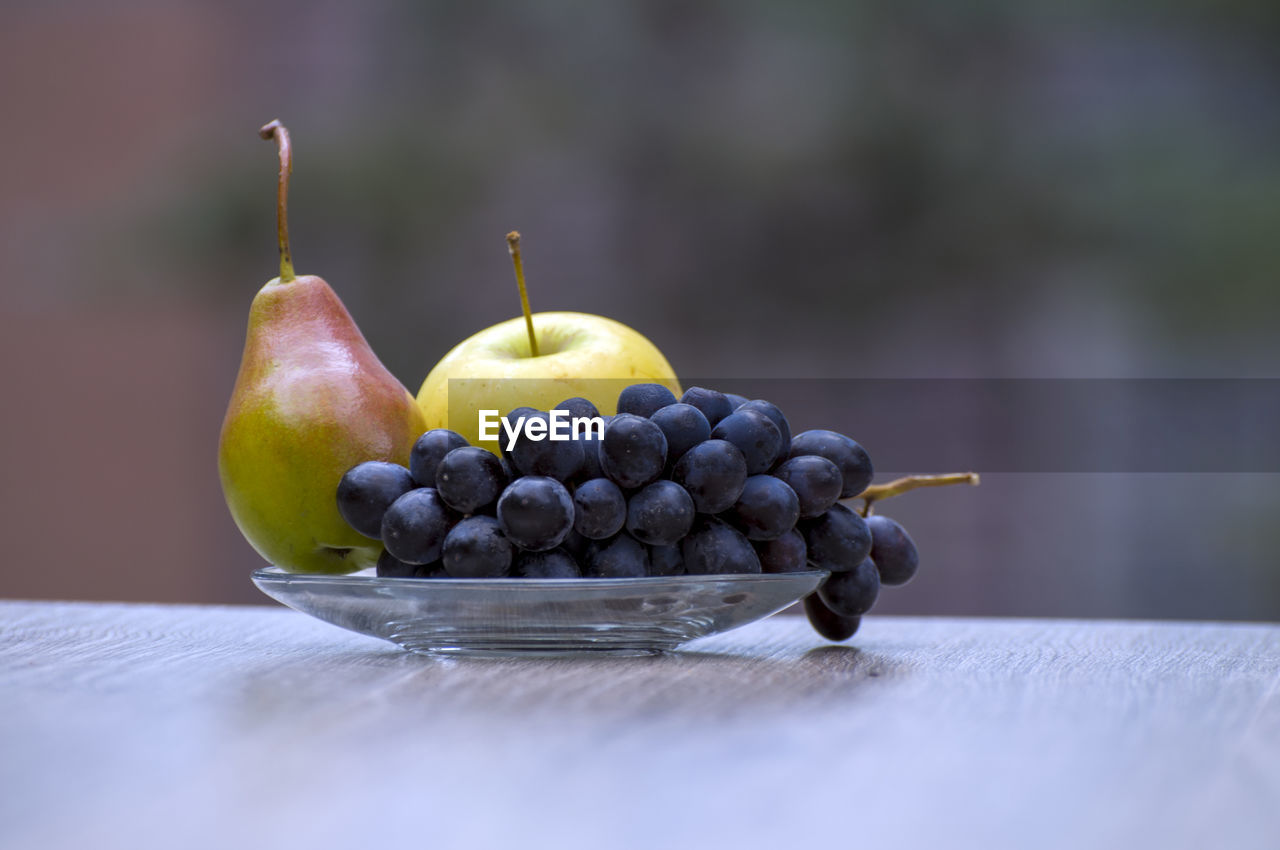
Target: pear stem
[[513, 245], [276, 130], [898, 486]]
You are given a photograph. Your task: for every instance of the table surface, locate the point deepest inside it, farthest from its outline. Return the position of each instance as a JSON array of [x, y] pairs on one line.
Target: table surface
[[189, 726]]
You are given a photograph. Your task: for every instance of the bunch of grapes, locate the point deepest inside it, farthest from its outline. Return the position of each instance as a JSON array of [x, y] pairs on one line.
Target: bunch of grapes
[[708, 484]]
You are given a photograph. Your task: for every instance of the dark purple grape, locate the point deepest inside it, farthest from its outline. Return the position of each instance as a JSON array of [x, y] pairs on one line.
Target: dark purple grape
[[853, 592], [429, 450], [367, 490], [684, 426], [414, 527], [477, 548], [621, 557], [589, 436], [893, 551], [536, 453], [828, 623], [665, 561], [755, 435], [579, 408], [389, 566], [767, 508], [785, 554], [660, 514], [714, 405], [644, 399], [838, 541], [600, 509], [513, 419], [535, 512], [577, 545], [775, 415], [589, 439], [714, 472], [556, 563], [714, 547], [854, 462], [735, 401], [470, 479], [633, 451], [816, 480]]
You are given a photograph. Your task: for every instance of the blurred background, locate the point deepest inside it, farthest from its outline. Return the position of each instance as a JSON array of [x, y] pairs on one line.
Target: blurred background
[[767, 191]]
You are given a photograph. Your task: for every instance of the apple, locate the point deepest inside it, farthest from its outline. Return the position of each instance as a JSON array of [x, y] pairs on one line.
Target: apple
[[579, 354], [537, 361]]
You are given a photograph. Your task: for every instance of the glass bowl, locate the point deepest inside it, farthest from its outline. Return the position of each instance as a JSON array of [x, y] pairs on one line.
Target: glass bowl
[[516, 616]]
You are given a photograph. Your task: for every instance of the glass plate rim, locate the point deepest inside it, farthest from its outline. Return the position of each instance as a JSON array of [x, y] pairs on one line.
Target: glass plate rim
[[275, 573]]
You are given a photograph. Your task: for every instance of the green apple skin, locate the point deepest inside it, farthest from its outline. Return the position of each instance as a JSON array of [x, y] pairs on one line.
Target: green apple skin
[[580, 354]]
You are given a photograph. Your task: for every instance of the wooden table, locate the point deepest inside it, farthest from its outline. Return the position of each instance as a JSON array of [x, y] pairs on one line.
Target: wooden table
[[179, 726]]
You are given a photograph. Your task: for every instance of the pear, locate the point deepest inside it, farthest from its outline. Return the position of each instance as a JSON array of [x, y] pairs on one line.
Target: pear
[[311, 400]]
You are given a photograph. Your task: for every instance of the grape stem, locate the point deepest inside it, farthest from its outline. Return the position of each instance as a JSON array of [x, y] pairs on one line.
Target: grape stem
[[898, 486], [276, 130], [513, 245]]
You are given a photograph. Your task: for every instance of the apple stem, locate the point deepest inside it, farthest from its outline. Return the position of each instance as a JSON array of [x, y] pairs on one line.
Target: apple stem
[[276, 130], [513, 245], [898, 486]]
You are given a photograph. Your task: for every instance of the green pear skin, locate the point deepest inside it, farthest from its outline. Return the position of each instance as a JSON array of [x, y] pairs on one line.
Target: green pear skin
[[311, 401]]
